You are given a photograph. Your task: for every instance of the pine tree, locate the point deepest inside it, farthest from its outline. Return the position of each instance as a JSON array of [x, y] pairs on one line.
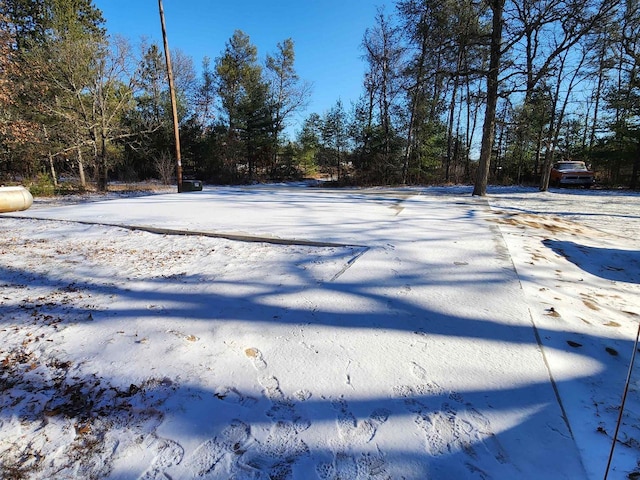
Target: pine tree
[[245, 103]]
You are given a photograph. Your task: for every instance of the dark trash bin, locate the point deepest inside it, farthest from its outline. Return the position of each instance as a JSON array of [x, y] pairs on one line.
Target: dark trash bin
[[191, 186]]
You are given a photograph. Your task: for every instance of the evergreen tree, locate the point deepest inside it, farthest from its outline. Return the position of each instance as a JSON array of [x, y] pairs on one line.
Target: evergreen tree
[[287, 93], [205, 98], [309, 143], [335, 140], [245, 104]]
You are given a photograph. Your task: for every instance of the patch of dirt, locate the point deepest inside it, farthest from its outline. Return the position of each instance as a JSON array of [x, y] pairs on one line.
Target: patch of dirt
[[552, 312], [62, 416], [115, 191], [53, 397], [589, 304], [543, 222]]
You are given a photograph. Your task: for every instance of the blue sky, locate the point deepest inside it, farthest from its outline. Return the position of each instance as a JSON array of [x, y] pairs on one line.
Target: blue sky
[[327, 34]]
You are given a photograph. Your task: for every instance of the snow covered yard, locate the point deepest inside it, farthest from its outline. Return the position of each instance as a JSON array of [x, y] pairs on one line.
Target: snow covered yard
[[309, 333], [577, 254]]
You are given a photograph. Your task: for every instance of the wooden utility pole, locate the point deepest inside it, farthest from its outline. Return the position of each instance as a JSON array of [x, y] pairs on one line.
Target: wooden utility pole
[[174, 106]]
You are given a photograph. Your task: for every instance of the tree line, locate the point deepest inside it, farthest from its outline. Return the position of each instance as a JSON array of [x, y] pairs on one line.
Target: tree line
[[78, 103], [497, 90], [457, 91]]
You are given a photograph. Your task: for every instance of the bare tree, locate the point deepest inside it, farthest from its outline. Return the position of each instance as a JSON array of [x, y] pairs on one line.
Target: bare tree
[[165, 167], [567, 81], [384, 55]]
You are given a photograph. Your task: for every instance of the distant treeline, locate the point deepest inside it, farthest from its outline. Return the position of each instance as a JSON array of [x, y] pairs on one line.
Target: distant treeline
[[515, 84]]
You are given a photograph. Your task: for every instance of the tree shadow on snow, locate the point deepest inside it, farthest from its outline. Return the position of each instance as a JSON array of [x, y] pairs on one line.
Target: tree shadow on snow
[[263, 431], [610, 264]]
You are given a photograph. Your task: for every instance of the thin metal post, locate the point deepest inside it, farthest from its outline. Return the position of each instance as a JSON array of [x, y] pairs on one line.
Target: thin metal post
[[624, 399], [174, 106]]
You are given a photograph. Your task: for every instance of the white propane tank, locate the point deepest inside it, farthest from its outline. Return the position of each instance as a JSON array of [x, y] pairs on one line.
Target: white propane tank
[[13, 199]]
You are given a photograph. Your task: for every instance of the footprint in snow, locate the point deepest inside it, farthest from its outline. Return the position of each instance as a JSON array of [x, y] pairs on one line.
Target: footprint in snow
[[427, 390], [353, 433], [232, 442], [365, 466], [449, 424], [232, 395], [283, 407], [169, 453], [275, 457], [255, 356], [446, 432]]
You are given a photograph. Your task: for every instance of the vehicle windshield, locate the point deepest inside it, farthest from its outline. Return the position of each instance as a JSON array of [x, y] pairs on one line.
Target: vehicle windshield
[[571, 166]]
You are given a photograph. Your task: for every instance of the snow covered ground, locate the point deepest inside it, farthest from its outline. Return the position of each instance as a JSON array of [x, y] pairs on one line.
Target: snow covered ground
[[300, 333]]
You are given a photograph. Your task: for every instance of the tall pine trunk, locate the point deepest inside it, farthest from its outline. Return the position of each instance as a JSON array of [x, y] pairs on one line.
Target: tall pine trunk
[[489, 127]]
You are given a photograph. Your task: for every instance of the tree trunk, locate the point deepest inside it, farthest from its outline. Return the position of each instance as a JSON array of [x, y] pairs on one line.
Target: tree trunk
[[412, 118], [408, 149], [636, 170], [472, 121], [52, 166], [103, 170], [598, 96], [83, 180], [489, 127], [452, 112]]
